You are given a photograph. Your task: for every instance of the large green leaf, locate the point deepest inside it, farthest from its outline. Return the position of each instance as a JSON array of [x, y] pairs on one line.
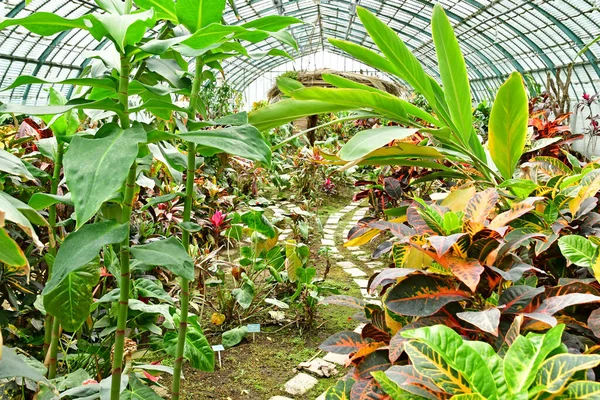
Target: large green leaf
[[244, 295], [289, 110], [10, 252], [13, 165], [365, 55], [578, 250], [234, 336], [123, 30], [388, 106], [40, 201], [526, 354], [137, 390], [256, 220], [77, 104], [17, 212], [44, 23], [95, 169], [197, 350], [463, 358], [508, 125], [164, 9], [81, 247], [71, 299], [453, 72], [196, 14], [244, 141], [367, 141], [104, 83], [555, 372], [584, 390], [168, 253], [411, 109], [12, 366]]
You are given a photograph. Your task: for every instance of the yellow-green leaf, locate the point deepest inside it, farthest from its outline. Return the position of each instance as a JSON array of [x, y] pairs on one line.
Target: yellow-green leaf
[[508, 125]]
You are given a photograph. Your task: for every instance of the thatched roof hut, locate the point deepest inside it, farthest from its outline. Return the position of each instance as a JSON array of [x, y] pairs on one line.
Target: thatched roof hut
[[315, 78]]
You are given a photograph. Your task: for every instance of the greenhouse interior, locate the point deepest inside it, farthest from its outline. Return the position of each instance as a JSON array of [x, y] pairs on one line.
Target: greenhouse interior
[[300, 199]]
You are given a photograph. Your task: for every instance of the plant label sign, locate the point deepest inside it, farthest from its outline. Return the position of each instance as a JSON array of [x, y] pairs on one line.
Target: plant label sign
[[219, 348], [254, 329]]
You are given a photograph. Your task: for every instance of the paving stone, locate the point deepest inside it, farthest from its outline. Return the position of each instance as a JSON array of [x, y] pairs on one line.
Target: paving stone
[[364, 258], [374, 264], [346, 264], [355, 272], [327, 242], [319, 367], [339, 359], [353, 248], [331, 227], [337, 256], [366, 294], [329, 236], [328, 231], [362, 283], [300, 384]]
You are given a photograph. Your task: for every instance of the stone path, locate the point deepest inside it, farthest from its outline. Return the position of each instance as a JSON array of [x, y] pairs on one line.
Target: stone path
[[356, 263]]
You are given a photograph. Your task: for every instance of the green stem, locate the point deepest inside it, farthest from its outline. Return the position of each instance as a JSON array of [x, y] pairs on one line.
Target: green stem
[[117, 367], [49, 323], [185, 237], [53, 349]]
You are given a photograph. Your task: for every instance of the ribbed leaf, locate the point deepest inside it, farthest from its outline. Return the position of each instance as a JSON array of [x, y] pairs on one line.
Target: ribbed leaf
[[197, 350], [578, 250], [95, 169], [453, 71], [103, 83], [168, 253], [367, 141], [244, 141], [508, 125], [44, 23], [196, 14], [71, 298], [421, 295], [123, 30], [164, 9], [10, 252], [13, 165], [556, 371]]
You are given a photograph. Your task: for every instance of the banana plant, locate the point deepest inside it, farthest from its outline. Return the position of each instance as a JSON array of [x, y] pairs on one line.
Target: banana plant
[[450, 125], [102, 168], [203, 18]]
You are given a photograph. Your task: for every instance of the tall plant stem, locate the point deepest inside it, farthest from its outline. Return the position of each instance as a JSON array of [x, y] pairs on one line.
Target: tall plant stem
[[117, 367], [185, 237], [51, 345]]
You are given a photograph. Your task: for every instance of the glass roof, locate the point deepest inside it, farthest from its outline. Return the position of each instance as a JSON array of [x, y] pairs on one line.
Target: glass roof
[[496, 36]]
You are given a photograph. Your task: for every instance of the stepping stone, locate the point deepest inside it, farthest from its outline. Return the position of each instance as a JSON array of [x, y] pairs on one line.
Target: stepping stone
[[366, 294], [353, 248], [337, 256], [319, 368], [364, 258], [374, 264], [355, 272], [300, 384], [327, 242], [362, 283], [346, 264], [332, 227], [329, 236], [280, 398], [328, 231], [339, 359]]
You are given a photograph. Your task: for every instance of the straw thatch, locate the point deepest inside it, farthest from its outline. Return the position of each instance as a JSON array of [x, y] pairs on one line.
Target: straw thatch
[[314, 78]]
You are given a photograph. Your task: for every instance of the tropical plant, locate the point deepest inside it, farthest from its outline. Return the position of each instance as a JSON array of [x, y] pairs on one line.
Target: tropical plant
[[101, 170], [449, 127], [443, 365]]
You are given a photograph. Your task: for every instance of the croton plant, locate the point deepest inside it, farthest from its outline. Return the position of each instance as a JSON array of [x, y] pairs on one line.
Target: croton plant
[[480, 268]]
